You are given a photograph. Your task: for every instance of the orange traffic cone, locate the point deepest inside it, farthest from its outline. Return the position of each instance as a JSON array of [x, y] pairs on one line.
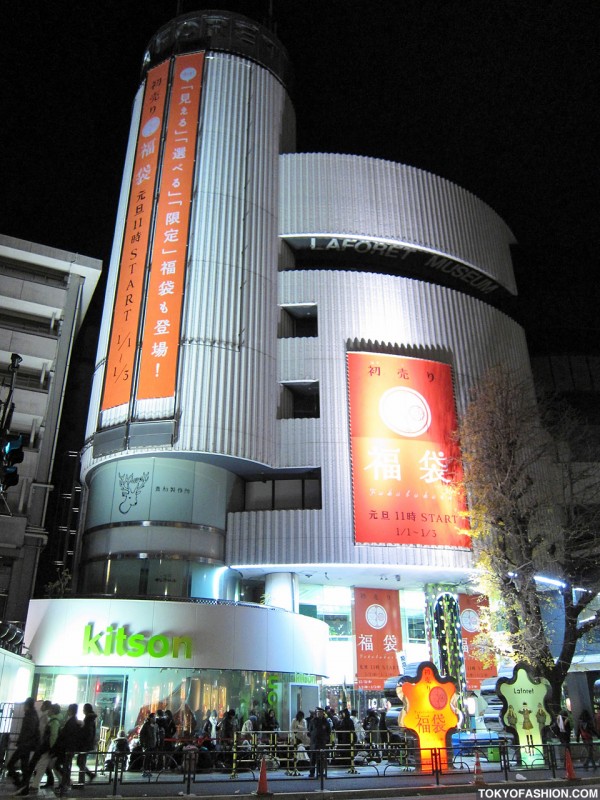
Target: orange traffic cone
[[570, 771], [262, 779], [478, 772]]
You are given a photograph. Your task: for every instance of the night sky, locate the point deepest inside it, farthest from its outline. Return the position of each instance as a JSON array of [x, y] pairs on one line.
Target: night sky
[[499, 97]]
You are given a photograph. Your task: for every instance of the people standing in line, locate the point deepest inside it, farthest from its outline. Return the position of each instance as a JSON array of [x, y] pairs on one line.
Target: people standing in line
[[299, 730], [170, 731], [88, 740], [586, 733], [226, 732], [372, 736], [211, 726], [28, 741], [359, 731], [148, 741], [271, 723], [161, 723], [345, 737], [319, 732], [118, 750], [67, 744]]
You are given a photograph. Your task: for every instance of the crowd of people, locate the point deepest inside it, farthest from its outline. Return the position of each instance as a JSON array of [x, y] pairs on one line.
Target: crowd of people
[[47, 743], [50, 740]]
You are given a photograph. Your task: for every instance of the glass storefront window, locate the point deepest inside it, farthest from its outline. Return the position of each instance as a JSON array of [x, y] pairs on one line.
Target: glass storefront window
[[124, 700]]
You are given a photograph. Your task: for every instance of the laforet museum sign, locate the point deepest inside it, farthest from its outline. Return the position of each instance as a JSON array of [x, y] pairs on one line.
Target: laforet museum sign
[[391, 257]]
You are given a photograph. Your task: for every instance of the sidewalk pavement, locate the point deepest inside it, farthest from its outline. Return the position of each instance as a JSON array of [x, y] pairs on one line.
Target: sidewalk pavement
[[338, 785]]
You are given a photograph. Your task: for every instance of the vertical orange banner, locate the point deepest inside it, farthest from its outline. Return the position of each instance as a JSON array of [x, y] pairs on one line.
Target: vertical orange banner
[[406, 467], [128, 298], [469, 606], [378, 636], [160, 341]]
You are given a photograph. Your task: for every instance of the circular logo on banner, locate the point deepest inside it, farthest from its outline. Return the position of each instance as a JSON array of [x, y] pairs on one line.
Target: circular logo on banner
[[438, 698], [376, 616], [188, 74], [469, 619], [151, 127], [405, 411]]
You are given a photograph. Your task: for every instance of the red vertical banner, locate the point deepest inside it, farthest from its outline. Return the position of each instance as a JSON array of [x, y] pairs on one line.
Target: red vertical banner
[[406, 465], [162, 325], [378, 636], [470, 608], [129, 295]]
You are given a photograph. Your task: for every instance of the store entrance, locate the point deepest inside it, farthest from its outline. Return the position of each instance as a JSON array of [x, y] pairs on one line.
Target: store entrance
[[302, 698]]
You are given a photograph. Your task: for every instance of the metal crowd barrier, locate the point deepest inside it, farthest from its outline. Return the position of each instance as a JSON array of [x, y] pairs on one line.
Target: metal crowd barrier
[[188, 763]]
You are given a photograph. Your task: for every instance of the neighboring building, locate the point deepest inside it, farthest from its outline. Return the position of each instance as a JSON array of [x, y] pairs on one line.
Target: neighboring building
[[285, 342], [44, 296]]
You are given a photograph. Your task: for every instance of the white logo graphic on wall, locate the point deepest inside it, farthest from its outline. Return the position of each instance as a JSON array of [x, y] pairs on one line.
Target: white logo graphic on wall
[[376, 616], [405, 411], [131, 488]]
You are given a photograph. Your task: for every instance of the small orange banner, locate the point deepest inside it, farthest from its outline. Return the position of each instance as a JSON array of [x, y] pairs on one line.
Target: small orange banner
[[128, 298], [406, 466], [160, 340], [469, 606], [378, 636]]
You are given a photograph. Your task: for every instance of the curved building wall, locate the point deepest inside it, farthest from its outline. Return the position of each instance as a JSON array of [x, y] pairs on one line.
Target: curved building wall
[[346, 195], [414, 318], [229, 317]]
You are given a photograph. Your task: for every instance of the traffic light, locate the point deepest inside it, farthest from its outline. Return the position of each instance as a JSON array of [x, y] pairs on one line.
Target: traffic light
[[12, 454]]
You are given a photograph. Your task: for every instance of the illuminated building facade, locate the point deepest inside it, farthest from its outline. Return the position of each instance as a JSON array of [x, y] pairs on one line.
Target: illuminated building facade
[[286, 342]]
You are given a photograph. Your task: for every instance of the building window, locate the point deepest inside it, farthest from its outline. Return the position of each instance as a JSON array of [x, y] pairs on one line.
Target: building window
[[416, 628], [300, 400], [296, 492], [298, 320]]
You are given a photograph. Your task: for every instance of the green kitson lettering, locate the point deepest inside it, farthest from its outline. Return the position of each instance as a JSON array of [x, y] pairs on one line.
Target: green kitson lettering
[[117, 641]]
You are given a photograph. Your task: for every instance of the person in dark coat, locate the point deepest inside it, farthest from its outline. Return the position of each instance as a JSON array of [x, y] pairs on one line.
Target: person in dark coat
[[67, 744], [88, 740], [28, 740], [586, 733], [319, 732], [227, 732], [345, 737]]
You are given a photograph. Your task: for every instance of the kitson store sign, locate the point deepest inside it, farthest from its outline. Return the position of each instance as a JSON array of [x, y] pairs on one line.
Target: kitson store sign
[[119, 642], [417, 261]]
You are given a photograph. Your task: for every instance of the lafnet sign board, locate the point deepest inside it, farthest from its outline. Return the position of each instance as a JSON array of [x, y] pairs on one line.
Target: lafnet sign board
[[406, 468], [378, 636]]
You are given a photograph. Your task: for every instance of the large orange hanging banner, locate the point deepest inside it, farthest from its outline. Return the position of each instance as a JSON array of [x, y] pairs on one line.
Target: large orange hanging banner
[[160, 340], [128, 298], [406, 467], [378, 636], [476, 671]]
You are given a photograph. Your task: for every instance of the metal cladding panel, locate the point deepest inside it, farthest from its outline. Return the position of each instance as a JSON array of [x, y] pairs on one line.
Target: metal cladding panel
[[416, 318], [228, 388], [343, 195]]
